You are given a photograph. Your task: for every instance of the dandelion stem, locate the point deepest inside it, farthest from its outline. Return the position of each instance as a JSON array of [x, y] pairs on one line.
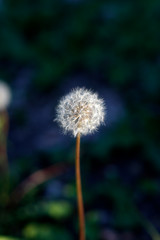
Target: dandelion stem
[[79, 191]]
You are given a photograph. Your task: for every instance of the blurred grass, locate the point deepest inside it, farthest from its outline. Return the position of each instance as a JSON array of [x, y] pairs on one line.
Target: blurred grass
[[8, 238]]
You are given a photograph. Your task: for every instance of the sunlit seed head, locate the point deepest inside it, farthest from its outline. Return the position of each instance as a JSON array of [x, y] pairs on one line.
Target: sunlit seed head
[[5, 96], [81, 111]]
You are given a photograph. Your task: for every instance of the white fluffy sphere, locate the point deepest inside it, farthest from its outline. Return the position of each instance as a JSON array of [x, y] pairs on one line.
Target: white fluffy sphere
[[5, 96], [81, 111]]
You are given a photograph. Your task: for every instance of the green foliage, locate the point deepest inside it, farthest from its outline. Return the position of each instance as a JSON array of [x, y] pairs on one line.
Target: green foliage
[[57, 210], [8, 238], [45, 232]]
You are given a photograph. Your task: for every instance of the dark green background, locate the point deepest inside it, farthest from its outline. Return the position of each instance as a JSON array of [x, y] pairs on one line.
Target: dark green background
[[112, 47]]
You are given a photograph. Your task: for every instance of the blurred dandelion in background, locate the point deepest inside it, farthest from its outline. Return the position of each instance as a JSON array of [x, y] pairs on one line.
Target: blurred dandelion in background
[[5, 98]]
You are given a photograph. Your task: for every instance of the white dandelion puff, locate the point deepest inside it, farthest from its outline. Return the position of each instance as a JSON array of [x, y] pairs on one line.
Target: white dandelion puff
[[81, 111], [5, 96]]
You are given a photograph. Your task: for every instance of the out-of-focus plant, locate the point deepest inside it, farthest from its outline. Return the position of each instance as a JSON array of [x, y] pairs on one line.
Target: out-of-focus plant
[[80, 113], [8, 238], [5, 97], [34, 180]]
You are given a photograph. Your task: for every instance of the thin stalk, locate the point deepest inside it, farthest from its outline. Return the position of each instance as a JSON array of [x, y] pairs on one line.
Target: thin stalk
[[3, 140], [4, 168], [34, 180], [79, 192]]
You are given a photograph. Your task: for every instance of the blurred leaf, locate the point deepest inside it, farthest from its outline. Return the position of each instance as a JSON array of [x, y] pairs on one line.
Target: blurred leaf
[[8, 238], [45, 232], [59, 210]]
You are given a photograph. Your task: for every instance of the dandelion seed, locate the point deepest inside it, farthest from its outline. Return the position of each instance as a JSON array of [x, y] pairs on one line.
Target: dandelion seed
[[81, 111]]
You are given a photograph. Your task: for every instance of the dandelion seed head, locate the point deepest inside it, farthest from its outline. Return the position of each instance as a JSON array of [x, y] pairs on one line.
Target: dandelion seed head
[[5, 96], [81, 111]]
